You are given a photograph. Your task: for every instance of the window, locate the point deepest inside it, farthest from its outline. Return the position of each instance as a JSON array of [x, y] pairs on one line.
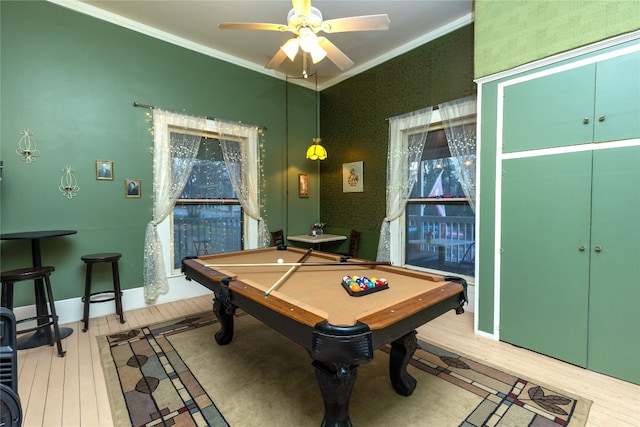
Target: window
[[207, 217], [440, 224], [437, 230]]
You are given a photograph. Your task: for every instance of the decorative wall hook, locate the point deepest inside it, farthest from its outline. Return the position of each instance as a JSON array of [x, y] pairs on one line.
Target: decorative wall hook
[[68, 183], [27, 147]]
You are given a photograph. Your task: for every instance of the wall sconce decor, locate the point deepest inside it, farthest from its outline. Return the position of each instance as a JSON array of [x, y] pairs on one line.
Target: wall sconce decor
[[27, 147], [68, 183]]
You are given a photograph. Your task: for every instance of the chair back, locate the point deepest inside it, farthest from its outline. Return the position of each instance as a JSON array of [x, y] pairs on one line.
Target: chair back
[[277, 238], [354, 241]]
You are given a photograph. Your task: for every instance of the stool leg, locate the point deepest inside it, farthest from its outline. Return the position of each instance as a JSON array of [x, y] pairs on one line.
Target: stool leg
[[87, 298], [41, 307], [117, 291], [54, 315], [7, 295]]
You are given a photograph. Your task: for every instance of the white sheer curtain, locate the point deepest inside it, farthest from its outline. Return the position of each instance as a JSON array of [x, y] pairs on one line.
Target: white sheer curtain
[[175, 146], [243, 166], [407, 135], [458, 119]]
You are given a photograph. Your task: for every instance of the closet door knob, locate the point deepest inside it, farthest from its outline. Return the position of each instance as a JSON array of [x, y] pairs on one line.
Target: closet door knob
[[598, 248], [601, 118], [585, 120], [581, 248]]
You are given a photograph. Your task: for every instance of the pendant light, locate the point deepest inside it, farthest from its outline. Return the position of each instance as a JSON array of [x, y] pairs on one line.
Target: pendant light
[[316, 151]]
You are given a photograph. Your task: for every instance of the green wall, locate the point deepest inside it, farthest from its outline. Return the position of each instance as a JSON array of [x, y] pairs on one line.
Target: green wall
[[72, 80], [514, 32], [354, 123]]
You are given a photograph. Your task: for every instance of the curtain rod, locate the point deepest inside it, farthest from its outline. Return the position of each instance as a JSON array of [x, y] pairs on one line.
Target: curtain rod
[[434, 108], [151, 107]]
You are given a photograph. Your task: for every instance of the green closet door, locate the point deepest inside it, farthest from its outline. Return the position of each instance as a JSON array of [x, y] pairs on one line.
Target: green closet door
[[614, 309], [618, 98], [549, 111], [544, 275]]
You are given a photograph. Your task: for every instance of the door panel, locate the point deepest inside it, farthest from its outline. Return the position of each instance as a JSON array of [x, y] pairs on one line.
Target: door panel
[[544, 276], [618, 98], [614, 308], [539, 113]]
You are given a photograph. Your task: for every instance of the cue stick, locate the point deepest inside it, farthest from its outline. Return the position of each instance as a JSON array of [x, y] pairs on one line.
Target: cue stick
[[289, 272], [301, 264]]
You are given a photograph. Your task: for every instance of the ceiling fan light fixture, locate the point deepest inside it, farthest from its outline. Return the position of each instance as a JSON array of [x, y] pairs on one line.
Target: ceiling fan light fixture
[[306, 21], [290, 48], [317, 54], [308, 40]]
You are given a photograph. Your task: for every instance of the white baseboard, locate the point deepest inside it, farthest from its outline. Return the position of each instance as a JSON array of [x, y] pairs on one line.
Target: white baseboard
[[471, 295], [70, 310]]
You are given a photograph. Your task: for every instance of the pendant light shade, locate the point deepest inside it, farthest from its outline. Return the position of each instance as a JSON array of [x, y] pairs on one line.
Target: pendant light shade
[[316, 151]]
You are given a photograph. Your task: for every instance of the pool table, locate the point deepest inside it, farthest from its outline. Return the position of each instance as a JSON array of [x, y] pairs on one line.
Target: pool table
[[311, 307]]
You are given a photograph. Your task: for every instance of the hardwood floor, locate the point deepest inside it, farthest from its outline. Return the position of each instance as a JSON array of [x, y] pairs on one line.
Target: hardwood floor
[[70, 391]]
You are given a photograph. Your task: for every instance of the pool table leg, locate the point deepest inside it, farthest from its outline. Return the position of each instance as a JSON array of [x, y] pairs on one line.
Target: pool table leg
[[336, 385], [224, 313], [402, 351]]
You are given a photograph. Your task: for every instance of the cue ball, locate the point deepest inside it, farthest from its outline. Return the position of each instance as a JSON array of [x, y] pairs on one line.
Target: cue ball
[[280, 260]]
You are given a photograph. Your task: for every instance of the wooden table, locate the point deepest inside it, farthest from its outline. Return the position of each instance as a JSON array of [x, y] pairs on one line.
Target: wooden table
[[41, 336], [317, 239], [312, 308]]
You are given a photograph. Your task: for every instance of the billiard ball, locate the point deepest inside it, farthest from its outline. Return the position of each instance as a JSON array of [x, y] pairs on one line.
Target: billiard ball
[[280, 260], [381, 282]]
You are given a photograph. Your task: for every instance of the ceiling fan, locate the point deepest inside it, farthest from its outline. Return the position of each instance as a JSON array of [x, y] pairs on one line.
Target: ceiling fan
[[305, 21]]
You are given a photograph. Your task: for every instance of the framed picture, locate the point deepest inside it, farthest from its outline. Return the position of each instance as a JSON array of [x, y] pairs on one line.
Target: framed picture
[[303, 185], [352, 177], [104, 170], [132, 188]]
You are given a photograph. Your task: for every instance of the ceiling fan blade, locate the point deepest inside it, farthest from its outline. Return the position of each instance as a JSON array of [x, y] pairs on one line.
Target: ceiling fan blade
[[252, 26], [336, 56], [302, 7], [356, 23], [277, 59]]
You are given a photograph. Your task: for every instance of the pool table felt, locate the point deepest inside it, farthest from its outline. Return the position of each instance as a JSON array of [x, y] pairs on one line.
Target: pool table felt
[[318, 289]]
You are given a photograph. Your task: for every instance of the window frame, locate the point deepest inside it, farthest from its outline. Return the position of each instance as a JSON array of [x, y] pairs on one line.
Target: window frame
[[398, 227], [244, 135]]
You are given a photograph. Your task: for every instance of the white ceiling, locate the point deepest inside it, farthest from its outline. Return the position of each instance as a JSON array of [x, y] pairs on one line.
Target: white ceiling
[[194, 25]]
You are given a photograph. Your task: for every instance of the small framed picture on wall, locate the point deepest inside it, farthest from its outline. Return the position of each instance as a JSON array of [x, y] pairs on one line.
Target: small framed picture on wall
[[303, 185], [353, 177], [104, 170], [132, 188]]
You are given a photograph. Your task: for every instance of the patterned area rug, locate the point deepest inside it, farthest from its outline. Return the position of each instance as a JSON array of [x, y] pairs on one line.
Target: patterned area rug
[[174, 374]]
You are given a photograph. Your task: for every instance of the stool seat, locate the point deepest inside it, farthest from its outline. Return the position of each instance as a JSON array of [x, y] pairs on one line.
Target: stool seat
[[114, 294], [40, 275], [105, 257], [29, 273]]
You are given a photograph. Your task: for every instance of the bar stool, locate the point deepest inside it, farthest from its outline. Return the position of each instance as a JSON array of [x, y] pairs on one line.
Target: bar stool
[[44, 318], [116, 293]]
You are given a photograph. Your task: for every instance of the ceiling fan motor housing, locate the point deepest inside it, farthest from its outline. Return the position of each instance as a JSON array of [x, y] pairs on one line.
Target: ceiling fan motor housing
[[314, 20]]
